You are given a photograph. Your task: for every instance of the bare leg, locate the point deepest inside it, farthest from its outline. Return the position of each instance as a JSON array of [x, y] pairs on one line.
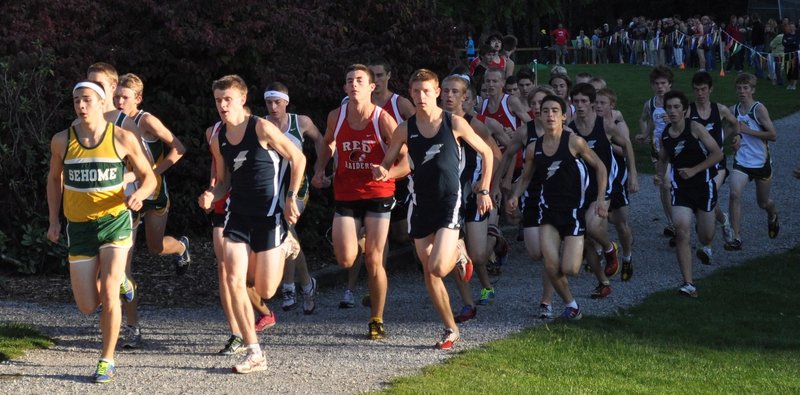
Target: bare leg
[[376, 228], [738, 182], [683, 221], [112, 271]]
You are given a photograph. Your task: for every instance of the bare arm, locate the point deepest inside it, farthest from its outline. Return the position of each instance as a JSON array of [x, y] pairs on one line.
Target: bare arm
[[222, 183], [769, 133], [463, 131], [388, 126], [310, 131], [714, 154], [481, 130], [381, 172], [269, 134], [128, 146], [518, 109], [406, 108], [55, 184], [620, 137], [327, 148], [578, 147], [154, 126], [645, 125], [527, 174]]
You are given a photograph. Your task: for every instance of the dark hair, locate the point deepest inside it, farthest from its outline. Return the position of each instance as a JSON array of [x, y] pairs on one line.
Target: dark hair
[[561, 102], [560, 76], [584, 89], [278, 86], [361, 67], [511, 80], [661, 72], [702, 78], [525, 74], [677, 95], [378, 61], [509, 43]]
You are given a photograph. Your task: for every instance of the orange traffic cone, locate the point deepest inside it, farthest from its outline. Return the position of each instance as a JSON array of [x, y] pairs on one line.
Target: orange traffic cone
[[721, 71]]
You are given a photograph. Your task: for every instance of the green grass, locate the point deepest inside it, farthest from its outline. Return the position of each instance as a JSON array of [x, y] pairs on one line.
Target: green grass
[[15, 339], [632, 85], [742, 335]]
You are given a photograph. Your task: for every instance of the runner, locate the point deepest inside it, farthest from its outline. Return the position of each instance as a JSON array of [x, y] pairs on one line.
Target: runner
[[434, 137], [693, 155], [297, 128], [627, 180], [599, 134], [511, 88], [86, 170], [454, 93], [752, 160], [163, 149], [651, 124], [358, 132], [561, 84], [256, 219], [557, 154], [711, 115]]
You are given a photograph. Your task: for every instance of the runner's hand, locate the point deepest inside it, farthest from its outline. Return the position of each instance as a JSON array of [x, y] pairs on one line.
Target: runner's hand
[[205, 200], [54, 232], [291, 212]]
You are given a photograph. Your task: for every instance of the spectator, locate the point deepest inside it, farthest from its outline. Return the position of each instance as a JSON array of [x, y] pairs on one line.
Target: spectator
[[757, 39], [560, 39]]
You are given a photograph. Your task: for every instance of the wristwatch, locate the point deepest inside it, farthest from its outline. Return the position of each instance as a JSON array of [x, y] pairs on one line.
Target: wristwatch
[[291, 195], [483, 192]]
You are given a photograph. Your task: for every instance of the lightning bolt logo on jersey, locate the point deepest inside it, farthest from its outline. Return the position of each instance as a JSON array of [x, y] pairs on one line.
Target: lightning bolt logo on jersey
[[437, 163], [553, 168], [238, 161], [686, 151], [564, 185], [432, 152]]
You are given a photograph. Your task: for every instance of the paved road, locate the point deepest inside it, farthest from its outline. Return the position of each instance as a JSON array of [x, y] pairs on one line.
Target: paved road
[[327, 352]]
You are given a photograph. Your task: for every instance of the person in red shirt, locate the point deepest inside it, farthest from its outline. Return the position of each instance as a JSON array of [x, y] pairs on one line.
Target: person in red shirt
[[359, 132], [560, 40]]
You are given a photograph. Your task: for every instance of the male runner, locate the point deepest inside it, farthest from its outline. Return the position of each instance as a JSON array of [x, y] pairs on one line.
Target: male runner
[[693, 154], [359, 133], [434, 140], [87, 164], [651, 124], [163, 149], [297, 128], [562, 156], [752, 160], [711, 115], [248, 155]]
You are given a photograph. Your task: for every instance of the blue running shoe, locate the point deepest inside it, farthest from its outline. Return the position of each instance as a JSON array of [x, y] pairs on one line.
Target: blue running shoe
[[570, 314], [127, 289], [105, 372], [182, 261]]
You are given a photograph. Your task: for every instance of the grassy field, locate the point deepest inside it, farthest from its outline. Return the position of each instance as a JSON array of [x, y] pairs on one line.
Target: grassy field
[[15, 339], [739, 336], [632, 85]]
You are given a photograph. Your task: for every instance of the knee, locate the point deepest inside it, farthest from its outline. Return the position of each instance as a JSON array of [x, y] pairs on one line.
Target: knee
[[764, 203], [735, 195], [681, 234], [87, 307], [571, 271]]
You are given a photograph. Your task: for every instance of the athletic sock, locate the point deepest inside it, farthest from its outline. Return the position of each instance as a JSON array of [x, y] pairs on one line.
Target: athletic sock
[[254, 349], [606, 283], [288, 287], [610, 249], [573, 304], [239, 335], [108, 360], [626, 259], [308, 287], [376, 319]]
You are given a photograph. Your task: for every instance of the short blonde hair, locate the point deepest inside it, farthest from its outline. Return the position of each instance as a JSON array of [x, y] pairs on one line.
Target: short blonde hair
[[132, 82], [746, 78], [228, 82]]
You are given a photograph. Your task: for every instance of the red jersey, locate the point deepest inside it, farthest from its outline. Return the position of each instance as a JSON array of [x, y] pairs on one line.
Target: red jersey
[[219, 205], [392, 109], [503, 113], [356, 152]]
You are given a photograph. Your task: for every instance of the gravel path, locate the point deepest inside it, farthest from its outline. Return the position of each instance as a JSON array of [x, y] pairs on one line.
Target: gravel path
[[327, 353]]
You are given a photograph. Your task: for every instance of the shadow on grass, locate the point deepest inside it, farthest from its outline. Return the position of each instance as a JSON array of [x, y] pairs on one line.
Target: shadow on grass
[[15, 338]]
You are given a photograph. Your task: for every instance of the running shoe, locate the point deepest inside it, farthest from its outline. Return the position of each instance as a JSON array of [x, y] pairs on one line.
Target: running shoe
[[127, 289], [308, 298], [612, 261], [727, 231], [467, 313], [669, 231], [774, 227], [266, 321], [251, 363], [132, 337], [704, 254], [449, 337], [601, 291], [376, 330], [501, 246], [290, 247], [570, 314], [487, 296], [289, 300], [627, 270], [104, 373], [545, 311], [464, 264], [493, 268], [234, 345], [182, 261], [735, 245], [348, 300], [688, 289]]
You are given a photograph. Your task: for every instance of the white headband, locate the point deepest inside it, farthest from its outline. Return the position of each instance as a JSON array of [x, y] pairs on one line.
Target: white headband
[[92, 86], [465, 76], [275, 95]]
